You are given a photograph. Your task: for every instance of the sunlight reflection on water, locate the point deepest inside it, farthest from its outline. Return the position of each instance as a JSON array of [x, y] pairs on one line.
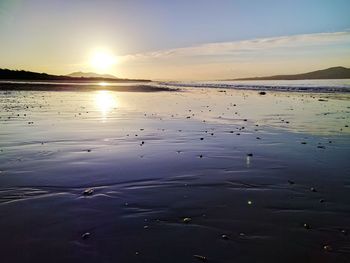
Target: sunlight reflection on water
[[105, 102]]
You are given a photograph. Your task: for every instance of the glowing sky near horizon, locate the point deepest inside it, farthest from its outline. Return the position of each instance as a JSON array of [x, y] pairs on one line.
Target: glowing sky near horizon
[[175, 39]]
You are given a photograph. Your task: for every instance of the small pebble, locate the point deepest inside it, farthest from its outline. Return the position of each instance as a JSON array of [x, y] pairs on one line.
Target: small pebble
[[307, 226], [187, 220], [201, 258], [344, 232], [327, 248], [224, 237], [250, 154], [312, 189], [88, 191], [85, 235]]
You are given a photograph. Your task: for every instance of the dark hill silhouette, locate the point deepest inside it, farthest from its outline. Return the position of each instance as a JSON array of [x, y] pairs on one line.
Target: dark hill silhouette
[[80, 74], [7, 74], [329, 73]]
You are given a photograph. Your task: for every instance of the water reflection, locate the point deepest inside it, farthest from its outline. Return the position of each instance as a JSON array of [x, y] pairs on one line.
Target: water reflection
[[105, 102], [103, 84], [248, 161]]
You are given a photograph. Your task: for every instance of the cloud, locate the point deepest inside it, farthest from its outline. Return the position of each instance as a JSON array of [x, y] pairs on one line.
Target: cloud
[[239, 47], [255, 57]]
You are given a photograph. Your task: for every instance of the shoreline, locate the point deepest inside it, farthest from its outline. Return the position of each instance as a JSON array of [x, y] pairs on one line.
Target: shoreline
[[80, 87]]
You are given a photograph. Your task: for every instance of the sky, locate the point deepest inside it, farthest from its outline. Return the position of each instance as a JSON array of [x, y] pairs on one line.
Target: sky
[[177, 40]]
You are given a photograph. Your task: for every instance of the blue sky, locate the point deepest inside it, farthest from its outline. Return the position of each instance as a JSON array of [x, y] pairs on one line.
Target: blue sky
[[58, 35]]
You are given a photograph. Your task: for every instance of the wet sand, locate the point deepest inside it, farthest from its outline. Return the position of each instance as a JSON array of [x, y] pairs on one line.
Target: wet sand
[[198, 175]]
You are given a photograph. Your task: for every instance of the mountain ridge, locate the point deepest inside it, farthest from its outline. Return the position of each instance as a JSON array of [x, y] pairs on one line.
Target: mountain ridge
[[329, 73], [9, 74], [80, 74]]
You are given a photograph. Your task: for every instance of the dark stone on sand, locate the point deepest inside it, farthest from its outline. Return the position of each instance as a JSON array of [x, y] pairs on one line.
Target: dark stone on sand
[[258, 138], [88, 191], [85, 235], [201, 258], [187, 220], [344, 232], [312, 189], [224, 236], [303, 142], [249, 154], [202, 139], [291, 182], [327, 248], [262, 93], [321, 147], [306, 226], [321, 200]]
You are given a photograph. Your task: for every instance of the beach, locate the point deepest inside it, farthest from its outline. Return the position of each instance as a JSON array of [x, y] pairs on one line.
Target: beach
[[187, 174]]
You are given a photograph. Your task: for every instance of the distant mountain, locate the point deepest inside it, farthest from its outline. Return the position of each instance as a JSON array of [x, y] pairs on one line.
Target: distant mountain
[[8, 74], [329, 73], [80, 74]]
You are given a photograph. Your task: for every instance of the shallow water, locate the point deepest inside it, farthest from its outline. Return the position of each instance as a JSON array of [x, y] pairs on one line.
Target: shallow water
[[311, 85], [156, 158]]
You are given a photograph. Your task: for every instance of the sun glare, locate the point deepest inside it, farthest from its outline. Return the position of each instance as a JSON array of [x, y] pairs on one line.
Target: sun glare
[[103, 60], [103, 84], [105, 101]]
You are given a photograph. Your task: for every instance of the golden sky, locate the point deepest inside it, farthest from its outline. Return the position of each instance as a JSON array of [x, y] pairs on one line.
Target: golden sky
[[180, 40]]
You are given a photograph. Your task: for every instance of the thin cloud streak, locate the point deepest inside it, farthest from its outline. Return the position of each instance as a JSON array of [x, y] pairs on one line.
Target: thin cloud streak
[[235, 47], [246, 58]]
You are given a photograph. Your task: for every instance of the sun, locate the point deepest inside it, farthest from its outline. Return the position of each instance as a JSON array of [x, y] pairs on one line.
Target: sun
[[103, 60]]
